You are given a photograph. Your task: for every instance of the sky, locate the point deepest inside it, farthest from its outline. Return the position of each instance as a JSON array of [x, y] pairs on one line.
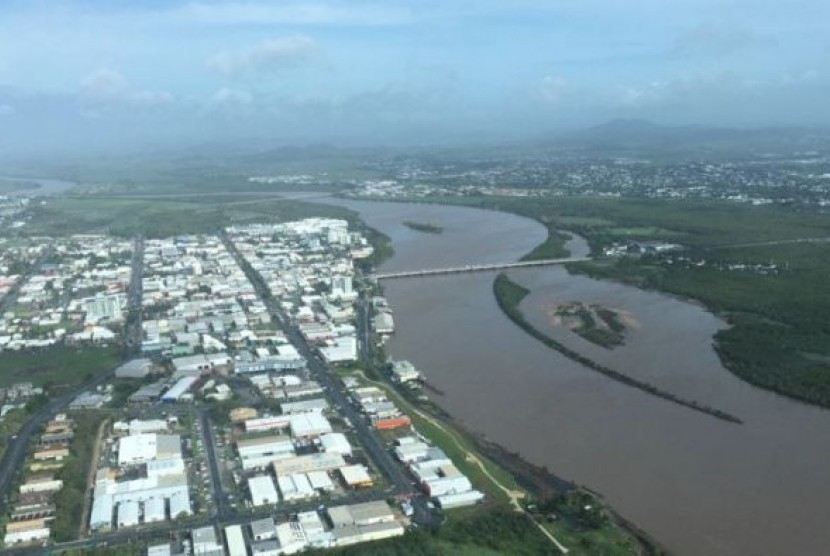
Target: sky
[[111, 74]]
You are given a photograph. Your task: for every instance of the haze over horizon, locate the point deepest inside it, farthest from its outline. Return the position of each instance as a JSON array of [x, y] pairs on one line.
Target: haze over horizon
[[94, 75]]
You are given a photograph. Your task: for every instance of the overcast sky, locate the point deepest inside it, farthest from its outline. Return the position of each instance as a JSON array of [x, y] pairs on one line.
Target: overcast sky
[[98, 73]]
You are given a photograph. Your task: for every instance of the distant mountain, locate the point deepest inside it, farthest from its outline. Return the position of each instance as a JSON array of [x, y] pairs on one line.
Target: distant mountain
[[625, 135]]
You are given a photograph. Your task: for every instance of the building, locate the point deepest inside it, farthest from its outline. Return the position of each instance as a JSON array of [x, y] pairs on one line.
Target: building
[[307, 463], [235, 541], [205, 541], [262, 490], [136, 368], [178, 391], [308, 425], [263, 529], [456, 500], [295, 487], [291, 537], [337, 443], [404, 371], [241, 414], [127, 514], [317, 405], [108, 307], [141, 448], [383, 323], [154, 510], [356, 476], [260, 452]]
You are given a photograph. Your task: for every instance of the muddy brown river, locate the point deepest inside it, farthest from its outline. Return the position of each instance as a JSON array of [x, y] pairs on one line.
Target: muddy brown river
[[699, 485]]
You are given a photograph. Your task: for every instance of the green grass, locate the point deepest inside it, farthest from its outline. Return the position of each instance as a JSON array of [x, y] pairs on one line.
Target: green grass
[[485, 532], [55, 366]]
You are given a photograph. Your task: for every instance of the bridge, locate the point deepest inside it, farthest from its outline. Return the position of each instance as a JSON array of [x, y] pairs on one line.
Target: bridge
[[476, 268]]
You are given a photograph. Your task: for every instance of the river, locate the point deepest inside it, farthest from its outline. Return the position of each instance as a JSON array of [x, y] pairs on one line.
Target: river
[[697, 484], [45, 186]]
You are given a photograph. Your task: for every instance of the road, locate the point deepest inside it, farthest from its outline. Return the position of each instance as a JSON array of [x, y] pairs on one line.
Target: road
[[221, 507], [477, 268], [133, 333], [368, 439]]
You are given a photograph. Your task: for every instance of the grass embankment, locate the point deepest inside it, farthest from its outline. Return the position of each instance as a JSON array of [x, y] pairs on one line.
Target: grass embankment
[[423, 227], [509, 295], [608, 534], [56, 366]]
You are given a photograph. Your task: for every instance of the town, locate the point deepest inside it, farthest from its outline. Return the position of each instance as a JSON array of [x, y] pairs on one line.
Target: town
[[250, 414]]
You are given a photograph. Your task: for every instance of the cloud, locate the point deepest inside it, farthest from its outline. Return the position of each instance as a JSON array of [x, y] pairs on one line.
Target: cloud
[[283, 13], [553, 88], [268, 56], [231, 97], [107, 86], [7, 110], [719, 39]]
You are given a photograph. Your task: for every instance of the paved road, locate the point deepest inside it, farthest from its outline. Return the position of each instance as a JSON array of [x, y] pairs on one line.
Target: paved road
[[368, 439]]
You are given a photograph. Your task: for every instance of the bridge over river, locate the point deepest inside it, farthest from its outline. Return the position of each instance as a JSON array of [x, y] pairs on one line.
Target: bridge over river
[[476, 268]]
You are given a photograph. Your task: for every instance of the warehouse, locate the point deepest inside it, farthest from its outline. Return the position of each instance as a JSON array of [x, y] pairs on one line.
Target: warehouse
[[263, 529], [165, 466], [295, 487], [308, 425], [127, 514], [154, 510], [101, 516], [235, 541], [356, 476], [137, 426], [320, 481], [141, 448], [456, 500], [137, 368], [337, 443], [366, 513], [180, 505], [274, 444], [178, 391], [308, 463], [266, 423], [305, 406], [262, 490], [353, 534], [291, 537]]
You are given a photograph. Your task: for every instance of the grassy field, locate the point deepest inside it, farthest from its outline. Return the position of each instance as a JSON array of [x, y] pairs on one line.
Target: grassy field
[[55, 366]]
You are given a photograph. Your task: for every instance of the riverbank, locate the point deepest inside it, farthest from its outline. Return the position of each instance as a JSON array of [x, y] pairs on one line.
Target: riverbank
[[509, 295]]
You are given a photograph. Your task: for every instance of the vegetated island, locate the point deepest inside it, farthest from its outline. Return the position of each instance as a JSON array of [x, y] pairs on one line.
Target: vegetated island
[[596, 324], [509, 295], [423, 227]]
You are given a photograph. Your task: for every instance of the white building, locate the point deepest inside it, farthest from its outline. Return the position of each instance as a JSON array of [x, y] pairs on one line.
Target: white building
[[262, 490]]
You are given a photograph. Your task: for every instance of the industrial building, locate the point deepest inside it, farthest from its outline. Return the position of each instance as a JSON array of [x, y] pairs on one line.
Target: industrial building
[[308, 425], [180, 390], [262, 490], [235, 541], [260, 452], [308, 463], [356, 476], [337, 443], [141, 448], [295, 487]]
